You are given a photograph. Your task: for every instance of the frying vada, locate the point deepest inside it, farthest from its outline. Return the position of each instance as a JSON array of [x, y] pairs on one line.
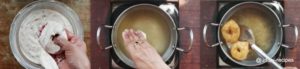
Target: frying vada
[[231, 31], [239, 50]]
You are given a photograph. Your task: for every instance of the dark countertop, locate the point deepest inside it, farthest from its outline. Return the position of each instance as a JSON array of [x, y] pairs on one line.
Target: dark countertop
[[292, 16], [193, 13]]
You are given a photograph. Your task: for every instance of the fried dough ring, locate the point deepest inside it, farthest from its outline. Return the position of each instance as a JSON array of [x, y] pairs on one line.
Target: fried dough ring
[[231, 31], [240, 50]]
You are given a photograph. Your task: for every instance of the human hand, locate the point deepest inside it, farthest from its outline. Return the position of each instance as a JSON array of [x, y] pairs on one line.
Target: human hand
[[73, 53], [141, 52]]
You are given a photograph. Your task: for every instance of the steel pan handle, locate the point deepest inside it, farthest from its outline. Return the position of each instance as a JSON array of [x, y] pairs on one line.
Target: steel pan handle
[[295, 32], [98, 36], [204, 34], [191, 34]]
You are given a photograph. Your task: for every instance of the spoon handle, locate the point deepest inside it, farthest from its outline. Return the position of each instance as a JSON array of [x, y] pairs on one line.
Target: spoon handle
[[262, 54]]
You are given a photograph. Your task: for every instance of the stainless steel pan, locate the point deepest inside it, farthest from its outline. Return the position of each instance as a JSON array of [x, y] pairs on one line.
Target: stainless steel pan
[[260, 9], [169, 25]]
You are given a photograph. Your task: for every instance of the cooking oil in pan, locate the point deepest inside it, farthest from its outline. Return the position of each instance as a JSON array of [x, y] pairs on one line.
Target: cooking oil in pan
[[263, 29], [152, 23]]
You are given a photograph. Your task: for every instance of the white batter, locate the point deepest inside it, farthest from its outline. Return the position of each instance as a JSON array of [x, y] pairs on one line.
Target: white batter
[[36, 33]]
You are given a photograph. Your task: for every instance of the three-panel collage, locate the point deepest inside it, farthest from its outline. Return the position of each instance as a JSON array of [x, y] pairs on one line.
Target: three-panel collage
[[149, 34]]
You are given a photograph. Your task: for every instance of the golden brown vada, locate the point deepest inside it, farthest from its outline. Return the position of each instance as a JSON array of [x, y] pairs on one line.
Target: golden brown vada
[[231, 31], [239, 50]]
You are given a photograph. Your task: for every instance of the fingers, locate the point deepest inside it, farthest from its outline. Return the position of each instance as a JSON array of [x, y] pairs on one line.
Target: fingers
[[135, 39], [63, 43], [126, 36], [78, 42], [75, 40], [140, 34], [134, 35], [130, 39], [131, 35], [70, 35]]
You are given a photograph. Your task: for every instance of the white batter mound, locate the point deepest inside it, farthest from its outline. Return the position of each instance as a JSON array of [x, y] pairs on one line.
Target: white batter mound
[[36, 33]]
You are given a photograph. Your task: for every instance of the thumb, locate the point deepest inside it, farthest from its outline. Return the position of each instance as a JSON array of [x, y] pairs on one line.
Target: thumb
[[63, 43]]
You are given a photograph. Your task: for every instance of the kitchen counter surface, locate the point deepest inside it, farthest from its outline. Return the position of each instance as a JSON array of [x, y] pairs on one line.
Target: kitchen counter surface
[[292, 16], [193, 13]]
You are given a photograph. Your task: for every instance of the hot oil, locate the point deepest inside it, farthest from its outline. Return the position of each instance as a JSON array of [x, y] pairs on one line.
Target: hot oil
[[262, 28], [151, 22]]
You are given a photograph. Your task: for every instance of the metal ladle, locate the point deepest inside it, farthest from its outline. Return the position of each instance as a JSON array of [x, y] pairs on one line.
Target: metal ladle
[[247, 35]]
